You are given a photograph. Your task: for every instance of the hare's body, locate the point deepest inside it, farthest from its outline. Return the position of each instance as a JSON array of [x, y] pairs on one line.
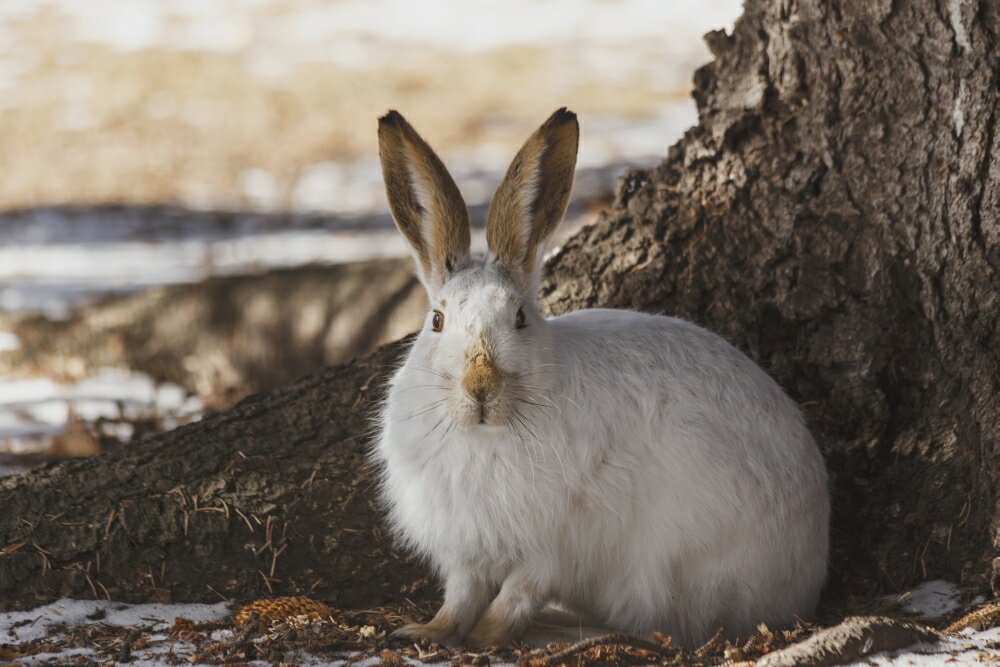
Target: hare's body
[[634, 469], [592, 511]]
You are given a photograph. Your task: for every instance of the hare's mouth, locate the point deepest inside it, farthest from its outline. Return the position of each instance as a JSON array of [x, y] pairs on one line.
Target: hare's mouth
[[489, 412], [472, 413]]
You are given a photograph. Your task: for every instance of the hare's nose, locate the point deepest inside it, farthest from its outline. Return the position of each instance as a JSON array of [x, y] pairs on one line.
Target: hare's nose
[[482, 379]]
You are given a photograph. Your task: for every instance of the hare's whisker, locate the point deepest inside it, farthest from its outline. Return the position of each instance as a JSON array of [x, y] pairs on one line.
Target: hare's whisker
[[524, 445], [440, 374], [423, 410], [552, 446], [553, 391], [435, 427], [538, 405], [423, 386]]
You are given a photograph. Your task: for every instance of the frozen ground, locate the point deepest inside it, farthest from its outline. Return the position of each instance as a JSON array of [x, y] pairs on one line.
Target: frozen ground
[[39, 416], [22, 626], [66, 629], [970, 648], [54, 621], [931, 598], [39, 406], [55, 259], [934, 599], [62, 624]]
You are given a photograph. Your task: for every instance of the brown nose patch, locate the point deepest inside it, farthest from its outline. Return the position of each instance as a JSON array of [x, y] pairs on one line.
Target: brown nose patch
[[482, 378]]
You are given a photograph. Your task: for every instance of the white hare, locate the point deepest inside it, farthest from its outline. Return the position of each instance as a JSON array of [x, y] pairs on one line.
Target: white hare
[[634, 469]]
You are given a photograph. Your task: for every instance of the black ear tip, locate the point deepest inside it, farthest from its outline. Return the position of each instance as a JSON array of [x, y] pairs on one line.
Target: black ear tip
[[392, 118], [562, 116]]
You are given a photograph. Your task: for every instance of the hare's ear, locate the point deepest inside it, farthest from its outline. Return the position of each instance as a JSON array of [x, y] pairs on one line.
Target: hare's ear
[[531, 200], [424, 199]]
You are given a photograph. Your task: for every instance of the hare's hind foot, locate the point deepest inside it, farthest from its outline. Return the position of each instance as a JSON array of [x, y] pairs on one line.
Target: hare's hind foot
[[436, 631], [492, 632], [509, 615], [549, 625]]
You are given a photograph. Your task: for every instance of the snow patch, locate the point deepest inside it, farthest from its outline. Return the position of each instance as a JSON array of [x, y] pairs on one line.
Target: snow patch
[[931, 598], [34, 410], [350, 188], [24, 626], [970, 648], [260, 188], [55, 259], [52, 278], [159, 649], [9, 341]]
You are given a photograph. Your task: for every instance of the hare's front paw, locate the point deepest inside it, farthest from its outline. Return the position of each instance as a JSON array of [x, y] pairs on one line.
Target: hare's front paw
[[434, 631]]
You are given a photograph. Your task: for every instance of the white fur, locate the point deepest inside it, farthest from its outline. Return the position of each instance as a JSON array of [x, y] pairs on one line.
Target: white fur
[[657, 479]]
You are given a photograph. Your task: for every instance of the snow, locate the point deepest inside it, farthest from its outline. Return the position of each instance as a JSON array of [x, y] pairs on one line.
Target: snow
[[970, 648], [9, 341], [19, 627], [260, 188], [931, 599], [52, 620], [52, 278], [23, 626], [934, 599], [33, 410], [108, 394]]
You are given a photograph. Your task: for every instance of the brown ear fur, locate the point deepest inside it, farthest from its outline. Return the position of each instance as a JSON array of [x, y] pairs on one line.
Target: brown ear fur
[[531, 200], [425, 202]]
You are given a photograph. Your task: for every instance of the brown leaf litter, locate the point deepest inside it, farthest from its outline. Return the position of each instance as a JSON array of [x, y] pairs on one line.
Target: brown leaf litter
[[297, 629]]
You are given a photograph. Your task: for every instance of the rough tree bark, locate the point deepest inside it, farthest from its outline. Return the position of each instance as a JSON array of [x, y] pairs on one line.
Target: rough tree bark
[[835, 213], [272, 496]]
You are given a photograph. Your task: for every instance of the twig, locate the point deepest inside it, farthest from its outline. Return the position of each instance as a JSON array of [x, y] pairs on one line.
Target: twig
[[244, 517], [274, 559], [93, 589], [267, 582], [618, 639], [107, 595], [223, 597]]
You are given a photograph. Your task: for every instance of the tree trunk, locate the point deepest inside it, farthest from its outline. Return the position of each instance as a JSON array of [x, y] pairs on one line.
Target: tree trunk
[[835, 213], [273, 496]]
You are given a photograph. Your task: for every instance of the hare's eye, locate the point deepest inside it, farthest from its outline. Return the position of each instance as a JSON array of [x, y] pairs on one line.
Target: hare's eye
[[437, 322], [520, 323]]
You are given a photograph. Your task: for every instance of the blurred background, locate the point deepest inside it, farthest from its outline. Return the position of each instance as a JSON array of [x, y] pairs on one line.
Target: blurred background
[[191, 205]]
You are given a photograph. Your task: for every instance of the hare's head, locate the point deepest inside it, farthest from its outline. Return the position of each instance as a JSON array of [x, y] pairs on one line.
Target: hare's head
[[484, 344]]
